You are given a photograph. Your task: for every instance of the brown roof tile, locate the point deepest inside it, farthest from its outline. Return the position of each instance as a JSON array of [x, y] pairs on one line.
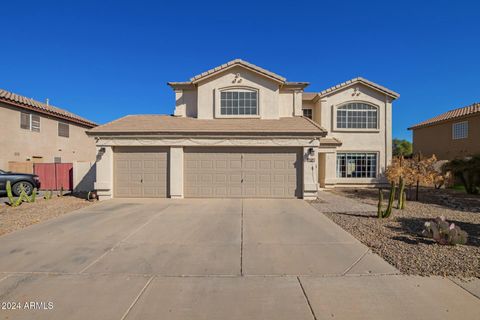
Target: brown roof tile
[[389, 92], [452, 114], [27, 103], [137, 124], [238, 62], [307, 96]]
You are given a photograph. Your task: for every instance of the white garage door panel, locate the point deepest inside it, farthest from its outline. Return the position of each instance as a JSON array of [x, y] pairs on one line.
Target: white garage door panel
[[140, 172], [242, 172]]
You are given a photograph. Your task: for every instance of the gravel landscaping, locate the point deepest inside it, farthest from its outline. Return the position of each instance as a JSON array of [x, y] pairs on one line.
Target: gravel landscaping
[[398, 239], [12, 219]]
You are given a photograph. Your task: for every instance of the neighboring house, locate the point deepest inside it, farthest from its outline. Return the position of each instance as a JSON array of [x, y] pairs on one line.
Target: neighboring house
[[239, 130], [453, 134], [37, 132]]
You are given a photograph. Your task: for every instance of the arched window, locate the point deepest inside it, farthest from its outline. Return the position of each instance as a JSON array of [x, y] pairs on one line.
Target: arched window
[[238, 102], [357, 116]]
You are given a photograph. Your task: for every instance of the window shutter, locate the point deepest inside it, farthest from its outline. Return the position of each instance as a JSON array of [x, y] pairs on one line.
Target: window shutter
[[63, 130], [25, 120], [35, 122]]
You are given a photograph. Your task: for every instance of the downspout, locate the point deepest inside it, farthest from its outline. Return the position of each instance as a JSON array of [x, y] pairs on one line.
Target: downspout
[[386, 132]]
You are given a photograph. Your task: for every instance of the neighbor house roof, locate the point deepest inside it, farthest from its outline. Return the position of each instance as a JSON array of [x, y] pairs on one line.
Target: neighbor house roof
[[158, 124], [452, 114], [30, 104], [231, 64]]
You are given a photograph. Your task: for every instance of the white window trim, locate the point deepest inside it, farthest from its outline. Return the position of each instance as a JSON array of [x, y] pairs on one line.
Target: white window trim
[[246, 116], [334, 117], [453, 130], [359, 180]]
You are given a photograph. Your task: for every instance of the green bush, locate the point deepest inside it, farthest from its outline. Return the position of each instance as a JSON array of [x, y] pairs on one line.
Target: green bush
[[468, 171]]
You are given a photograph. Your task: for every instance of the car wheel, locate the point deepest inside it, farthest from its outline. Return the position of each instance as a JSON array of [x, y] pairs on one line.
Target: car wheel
[[17, 188]]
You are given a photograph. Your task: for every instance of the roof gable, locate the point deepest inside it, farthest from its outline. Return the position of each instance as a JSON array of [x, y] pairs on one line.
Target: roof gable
[[363, 81], [239, 63]]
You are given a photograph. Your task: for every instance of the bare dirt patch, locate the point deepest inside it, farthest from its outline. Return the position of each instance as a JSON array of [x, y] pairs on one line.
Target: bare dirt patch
[[399, 241], [12, 219]]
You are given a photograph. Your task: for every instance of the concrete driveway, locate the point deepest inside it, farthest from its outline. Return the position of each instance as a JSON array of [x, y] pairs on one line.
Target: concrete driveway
[[209, 259]]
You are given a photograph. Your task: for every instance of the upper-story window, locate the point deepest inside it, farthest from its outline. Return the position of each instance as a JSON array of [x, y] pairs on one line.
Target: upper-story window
[[460, 130], [30, 121], [357, 116], [239, 102], [308, 113], [63, 130]]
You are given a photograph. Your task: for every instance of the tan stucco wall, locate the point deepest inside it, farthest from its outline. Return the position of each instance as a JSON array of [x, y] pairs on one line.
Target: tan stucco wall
[[356, 140], [46, 143], [203, 102], [437, 139]]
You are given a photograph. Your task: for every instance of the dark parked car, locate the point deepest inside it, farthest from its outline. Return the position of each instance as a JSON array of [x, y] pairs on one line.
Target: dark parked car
[[29, 182]]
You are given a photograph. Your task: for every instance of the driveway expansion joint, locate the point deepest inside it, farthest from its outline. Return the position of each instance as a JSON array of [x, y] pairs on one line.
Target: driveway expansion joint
[[306, 298], [137, 297], [356, 262], [451, 280]]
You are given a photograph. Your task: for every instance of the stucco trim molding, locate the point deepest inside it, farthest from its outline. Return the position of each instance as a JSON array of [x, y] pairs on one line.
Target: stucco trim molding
[[268, 142]]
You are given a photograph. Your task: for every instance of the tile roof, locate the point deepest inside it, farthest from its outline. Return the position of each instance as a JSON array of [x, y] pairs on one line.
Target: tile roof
[[330, 141], [307, 96], [30, 104], [369, 83], [449, 115], [151, 124], [234, 63]]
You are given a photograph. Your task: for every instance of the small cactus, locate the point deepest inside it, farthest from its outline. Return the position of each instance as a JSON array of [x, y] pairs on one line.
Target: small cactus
[[444, 233], [391, 199], [12, 201], [48, 195], [380, 203], [61, 192]]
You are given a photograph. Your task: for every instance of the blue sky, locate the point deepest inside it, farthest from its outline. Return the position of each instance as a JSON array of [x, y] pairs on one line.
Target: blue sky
[[105, 59]]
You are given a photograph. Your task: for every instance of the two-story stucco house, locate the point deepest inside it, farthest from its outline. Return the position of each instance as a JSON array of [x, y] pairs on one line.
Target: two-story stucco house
[[239, 130], [38, 132]]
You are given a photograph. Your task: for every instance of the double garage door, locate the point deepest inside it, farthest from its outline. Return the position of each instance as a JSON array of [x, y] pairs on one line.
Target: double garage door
[[210, 172]]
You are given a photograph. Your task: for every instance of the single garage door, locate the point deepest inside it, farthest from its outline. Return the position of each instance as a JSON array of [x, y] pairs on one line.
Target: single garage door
[[243, 172], [140, 172]]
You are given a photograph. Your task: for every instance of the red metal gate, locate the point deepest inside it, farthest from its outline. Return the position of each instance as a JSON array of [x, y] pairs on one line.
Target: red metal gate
[[54, 176]]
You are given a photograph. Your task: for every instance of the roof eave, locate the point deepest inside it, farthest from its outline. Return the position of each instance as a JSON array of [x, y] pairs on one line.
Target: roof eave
[[296, 85], [181, 85], [392, 94], [269, 75], [50, 113], [231, 135]]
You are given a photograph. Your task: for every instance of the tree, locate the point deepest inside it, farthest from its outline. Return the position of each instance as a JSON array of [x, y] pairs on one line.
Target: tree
[[468, 171], [402, 147]]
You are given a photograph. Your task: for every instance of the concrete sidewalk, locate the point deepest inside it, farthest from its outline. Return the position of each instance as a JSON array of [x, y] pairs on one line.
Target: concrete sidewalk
[[211, 259]]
